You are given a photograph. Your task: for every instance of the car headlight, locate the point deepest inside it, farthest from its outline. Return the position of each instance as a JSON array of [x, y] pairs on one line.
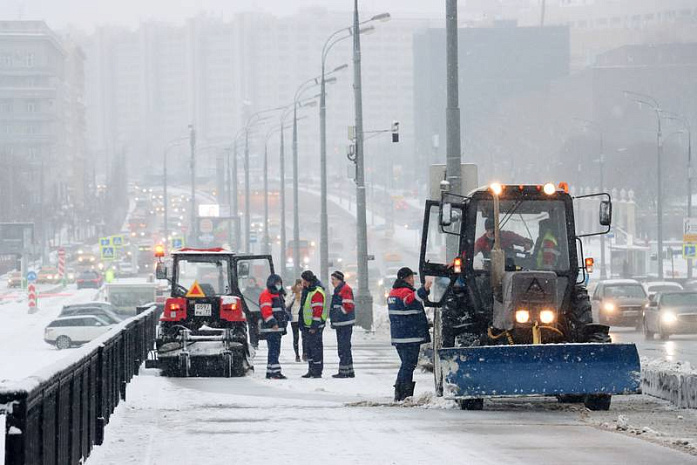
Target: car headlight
[[380, 282], [669, 317], [522, 316], [609, 307], [306, 260], [547, 316]]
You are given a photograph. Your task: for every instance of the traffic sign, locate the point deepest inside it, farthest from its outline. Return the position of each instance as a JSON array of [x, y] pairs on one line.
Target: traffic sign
[[117, 241], [31, 276], [689, 250], [177, 243], [104, 241], [108, 253]]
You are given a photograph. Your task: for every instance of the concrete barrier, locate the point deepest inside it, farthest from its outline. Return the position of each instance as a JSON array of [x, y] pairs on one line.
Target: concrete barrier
[[674, 382]]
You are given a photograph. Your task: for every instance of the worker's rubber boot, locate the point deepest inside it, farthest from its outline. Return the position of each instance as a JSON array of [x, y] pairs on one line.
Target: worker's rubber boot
[[399, 392], [409, 389]]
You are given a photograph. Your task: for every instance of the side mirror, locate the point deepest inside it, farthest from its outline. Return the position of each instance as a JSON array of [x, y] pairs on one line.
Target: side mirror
[[605, 213], [160, 271]]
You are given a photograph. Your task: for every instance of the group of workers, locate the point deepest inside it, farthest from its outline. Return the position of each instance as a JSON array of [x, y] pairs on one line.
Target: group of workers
[[307, 313]]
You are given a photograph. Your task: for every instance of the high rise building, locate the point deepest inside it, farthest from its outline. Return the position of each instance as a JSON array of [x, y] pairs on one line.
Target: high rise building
[[42, 125]]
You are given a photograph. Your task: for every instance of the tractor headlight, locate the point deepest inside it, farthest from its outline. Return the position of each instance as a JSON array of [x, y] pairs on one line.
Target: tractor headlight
[[669, 317], [547, 316], [609, 307], [522, 316]]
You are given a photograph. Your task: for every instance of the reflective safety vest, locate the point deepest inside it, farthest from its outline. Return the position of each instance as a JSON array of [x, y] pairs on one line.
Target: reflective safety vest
[[548, 255], [310, 309]]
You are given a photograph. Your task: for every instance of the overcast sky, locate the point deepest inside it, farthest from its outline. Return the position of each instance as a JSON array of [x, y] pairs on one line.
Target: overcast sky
[[87, 13]]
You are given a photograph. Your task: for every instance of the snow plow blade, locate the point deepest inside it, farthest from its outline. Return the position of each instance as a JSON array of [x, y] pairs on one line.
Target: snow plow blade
[[540, 370]]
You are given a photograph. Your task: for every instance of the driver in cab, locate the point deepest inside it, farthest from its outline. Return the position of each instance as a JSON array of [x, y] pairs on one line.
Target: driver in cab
[[509, 239]]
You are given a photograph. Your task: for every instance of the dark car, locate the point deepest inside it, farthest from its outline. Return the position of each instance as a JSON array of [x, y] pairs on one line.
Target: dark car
[[89, 279], [104, 310], [672, 312], [619, 302]]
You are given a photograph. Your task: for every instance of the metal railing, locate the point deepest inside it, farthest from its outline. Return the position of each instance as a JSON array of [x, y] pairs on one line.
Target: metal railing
[[58, 415]]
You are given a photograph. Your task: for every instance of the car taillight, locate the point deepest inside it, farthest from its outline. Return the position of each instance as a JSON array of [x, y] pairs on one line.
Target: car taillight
[[175, 310], [231, 309]]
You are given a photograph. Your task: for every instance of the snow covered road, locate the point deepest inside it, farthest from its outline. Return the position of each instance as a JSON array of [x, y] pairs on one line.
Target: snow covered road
[[352, 421]]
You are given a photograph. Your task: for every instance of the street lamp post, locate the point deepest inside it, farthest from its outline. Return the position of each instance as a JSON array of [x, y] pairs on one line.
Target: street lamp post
[[192, 143], [652, 103], [364, 301], [332, 40], [686, 126]]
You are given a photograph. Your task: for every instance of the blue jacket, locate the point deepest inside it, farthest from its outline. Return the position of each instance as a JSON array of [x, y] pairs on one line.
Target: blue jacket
[[408, 322], [342, 310]]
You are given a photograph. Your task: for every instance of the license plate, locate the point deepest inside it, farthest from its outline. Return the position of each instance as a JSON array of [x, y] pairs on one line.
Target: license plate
[[202, 310]]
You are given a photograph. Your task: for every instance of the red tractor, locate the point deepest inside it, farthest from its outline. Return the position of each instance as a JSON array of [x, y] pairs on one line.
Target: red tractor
[[203, 327]]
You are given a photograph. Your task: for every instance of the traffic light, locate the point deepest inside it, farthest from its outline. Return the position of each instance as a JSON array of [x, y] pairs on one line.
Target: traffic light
[[395, 131]]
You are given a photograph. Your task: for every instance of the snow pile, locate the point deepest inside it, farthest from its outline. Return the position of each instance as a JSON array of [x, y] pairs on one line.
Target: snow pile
[[674, 382], [429, 400]]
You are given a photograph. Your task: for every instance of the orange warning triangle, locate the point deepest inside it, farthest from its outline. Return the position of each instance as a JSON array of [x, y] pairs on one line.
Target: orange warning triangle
[[195, 291]]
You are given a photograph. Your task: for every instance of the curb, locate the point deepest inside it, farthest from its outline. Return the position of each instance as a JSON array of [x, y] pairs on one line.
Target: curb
[[679, 388]]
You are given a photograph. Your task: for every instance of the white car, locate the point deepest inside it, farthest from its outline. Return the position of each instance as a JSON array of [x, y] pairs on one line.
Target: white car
[[65, 332], [653, 287]]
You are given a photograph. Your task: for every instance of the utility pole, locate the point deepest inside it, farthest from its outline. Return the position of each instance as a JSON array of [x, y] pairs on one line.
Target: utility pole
[[296, 205], [282, 176], [193, 226], [452, 115], [364, 301], [247, 194], [265, 247], [235, 200], [231, 221], [689, 188]]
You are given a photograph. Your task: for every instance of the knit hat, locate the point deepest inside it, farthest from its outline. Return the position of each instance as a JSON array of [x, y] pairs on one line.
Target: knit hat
[[404, 273], [338, 275]]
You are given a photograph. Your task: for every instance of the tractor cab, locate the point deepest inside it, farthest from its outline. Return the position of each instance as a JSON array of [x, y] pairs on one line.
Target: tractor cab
[[517, 278], [204, 322]]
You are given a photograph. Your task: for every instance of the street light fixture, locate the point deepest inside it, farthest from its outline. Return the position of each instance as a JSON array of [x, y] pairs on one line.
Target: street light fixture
[[255, 118], [653, 104], [686, 126], [332, 40]]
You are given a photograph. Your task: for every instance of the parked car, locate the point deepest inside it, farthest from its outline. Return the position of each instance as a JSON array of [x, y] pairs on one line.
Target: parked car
[[14, 279], [68, 331], [48, 275], [619, 302], [89, 279], [93, 308], [653, 287], [670, 312]]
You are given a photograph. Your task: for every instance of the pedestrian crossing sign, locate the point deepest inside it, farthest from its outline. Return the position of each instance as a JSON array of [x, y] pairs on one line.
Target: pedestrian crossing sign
[[117, 241], [195, 291], [104, 241], [689, 250], [108, 253]]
